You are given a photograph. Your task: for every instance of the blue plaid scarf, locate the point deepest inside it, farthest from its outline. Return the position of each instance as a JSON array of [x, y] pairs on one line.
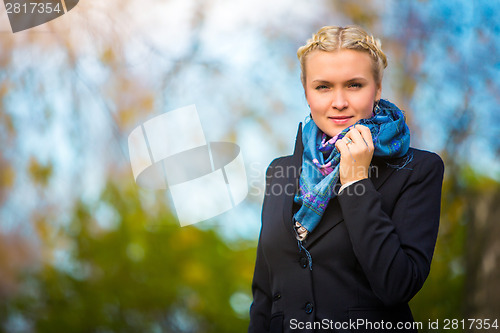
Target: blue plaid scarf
[[391, 138]]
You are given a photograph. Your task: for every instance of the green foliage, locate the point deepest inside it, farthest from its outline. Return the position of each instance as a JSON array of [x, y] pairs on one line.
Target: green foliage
[[143, 274], [450, 290]]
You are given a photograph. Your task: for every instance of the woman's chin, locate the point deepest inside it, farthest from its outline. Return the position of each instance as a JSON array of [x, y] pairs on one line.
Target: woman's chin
[[332, 131]]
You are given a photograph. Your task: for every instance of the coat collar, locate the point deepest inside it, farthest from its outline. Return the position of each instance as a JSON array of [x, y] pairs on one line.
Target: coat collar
[[333, 213]]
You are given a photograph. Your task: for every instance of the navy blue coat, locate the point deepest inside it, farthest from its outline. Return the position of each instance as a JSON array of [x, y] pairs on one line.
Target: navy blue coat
[[371, 252]]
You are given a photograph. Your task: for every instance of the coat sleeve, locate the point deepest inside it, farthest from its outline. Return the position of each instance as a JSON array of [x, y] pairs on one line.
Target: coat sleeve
[[260, 310], [395, 252]]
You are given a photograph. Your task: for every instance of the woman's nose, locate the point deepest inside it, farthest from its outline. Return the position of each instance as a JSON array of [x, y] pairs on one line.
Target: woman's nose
[[339, 101]]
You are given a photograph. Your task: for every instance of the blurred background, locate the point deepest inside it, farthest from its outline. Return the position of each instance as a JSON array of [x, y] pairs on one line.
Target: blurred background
[[84, 249]]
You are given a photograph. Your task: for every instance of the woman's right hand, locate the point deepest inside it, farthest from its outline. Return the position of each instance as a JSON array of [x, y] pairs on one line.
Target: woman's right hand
[[356, 153]]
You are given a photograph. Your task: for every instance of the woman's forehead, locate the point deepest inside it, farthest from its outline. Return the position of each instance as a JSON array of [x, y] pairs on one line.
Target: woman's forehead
[[339, 65]]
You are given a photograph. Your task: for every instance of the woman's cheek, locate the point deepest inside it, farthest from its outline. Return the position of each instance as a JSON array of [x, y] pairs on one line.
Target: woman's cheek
[[319, 102]]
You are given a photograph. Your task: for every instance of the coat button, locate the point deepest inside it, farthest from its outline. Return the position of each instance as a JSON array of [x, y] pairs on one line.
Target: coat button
[[308, 308], [303, 262], [276, 296]]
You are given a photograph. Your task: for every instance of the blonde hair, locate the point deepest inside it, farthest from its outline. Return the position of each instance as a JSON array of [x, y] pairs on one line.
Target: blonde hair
[[352, 37]]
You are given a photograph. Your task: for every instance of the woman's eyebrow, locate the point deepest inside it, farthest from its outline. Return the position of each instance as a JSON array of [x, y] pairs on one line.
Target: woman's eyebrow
[[320, 81], [358, 78]]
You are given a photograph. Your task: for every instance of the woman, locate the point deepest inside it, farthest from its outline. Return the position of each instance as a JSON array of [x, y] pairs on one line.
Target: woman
[[352, 243]]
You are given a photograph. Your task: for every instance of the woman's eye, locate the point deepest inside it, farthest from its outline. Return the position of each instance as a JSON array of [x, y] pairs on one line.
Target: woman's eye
[[355, 85], [321, 87]]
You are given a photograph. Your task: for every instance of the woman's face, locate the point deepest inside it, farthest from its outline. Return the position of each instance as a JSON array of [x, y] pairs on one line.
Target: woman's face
[[340, 88]]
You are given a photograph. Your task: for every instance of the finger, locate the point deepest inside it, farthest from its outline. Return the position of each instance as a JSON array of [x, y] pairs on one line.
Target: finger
[[355, 136], [347, 140], [366, 134], [342, 147]]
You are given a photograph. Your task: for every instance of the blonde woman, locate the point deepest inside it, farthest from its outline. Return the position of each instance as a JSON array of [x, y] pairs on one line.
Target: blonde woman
[[352, 243]]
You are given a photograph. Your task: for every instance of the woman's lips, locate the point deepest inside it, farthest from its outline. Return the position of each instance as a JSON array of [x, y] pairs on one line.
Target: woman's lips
[[340, 119]]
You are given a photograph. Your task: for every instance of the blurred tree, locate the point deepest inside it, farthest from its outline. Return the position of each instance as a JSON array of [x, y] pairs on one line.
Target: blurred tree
[[124, 270], [482, 256]]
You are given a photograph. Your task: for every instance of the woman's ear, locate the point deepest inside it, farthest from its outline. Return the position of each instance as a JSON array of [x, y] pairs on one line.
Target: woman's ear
[[378, 93]]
